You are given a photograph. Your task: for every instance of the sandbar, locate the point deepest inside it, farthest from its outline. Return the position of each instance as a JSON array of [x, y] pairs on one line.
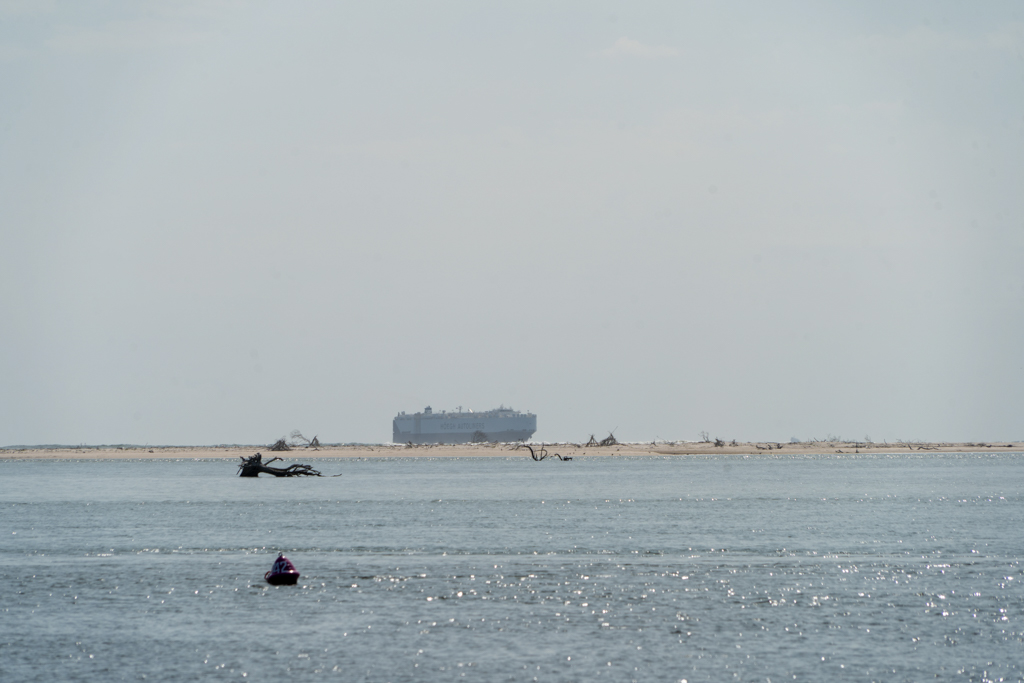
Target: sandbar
[[683, 448]]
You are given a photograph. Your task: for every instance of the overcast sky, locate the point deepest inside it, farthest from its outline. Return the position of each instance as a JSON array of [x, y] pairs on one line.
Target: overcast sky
[[222, 221]]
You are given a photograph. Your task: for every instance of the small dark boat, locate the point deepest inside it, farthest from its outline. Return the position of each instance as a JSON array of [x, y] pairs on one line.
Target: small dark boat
[[283, 573]]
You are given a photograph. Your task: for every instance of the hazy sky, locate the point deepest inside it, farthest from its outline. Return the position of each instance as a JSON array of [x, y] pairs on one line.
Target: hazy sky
[[222, 221]]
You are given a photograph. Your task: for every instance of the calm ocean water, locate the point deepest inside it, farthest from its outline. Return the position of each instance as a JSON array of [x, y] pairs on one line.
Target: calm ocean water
[[895, 567]]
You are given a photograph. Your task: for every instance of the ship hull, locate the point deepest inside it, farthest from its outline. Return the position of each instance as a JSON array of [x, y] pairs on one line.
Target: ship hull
[[492, 426], [502, 437]]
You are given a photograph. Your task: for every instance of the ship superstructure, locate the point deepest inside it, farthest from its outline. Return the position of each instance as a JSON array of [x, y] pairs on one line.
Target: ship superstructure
[[501, 424]]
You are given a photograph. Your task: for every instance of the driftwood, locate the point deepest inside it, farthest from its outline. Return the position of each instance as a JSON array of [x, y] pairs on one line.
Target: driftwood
[[297, 439], [542, 453], [254, 466], [609, 440]]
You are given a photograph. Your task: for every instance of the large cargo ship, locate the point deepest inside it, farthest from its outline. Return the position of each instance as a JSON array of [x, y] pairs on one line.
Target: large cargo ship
[[500, 424]]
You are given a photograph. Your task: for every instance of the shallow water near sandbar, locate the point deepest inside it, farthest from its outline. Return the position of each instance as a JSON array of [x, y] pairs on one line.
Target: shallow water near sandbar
[[872, 567]]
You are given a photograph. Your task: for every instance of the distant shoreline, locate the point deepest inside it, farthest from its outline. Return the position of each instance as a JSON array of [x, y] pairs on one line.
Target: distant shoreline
[[498, 450]]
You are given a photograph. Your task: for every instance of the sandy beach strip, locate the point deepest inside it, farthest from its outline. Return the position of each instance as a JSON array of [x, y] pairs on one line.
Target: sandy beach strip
[[500, 450]]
